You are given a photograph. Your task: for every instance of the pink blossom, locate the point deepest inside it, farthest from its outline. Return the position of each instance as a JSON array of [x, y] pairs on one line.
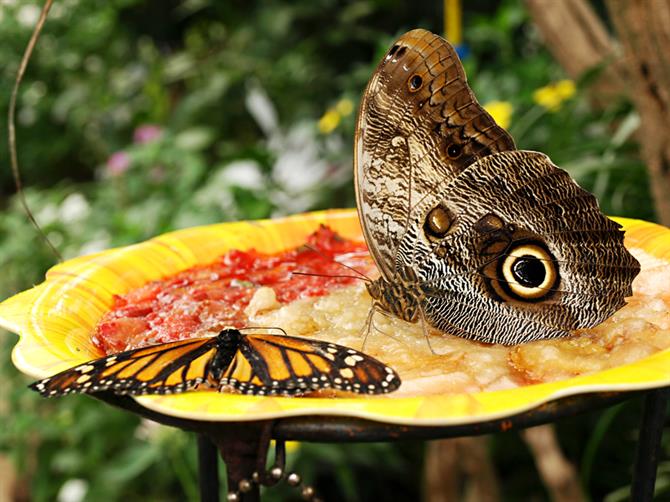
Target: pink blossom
[[147, 133], [118, 163]]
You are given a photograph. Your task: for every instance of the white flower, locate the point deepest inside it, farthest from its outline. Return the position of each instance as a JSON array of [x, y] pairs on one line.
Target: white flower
[[27, 116], [147, 430], [243, 173], [299, 169], [74, 208], [47, 215], [292, 203], [262, 110], [99, 243], [299, 166], [27, 15], [73, 490]]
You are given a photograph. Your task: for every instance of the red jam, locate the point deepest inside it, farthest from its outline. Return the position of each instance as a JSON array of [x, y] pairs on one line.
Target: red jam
[[202, 300]]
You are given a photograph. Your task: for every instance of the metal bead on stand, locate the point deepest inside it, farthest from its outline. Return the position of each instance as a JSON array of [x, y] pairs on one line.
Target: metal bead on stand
[[292, 479], [271, 477]]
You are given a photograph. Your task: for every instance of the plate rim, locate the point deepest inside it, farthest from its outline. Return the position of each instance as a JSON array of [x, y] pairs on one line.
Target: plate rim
[[417, 410]]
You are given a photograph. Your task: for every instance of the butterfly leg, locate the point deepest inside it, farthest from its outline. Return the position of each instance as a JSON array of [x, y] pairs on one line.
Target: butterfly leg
[[424, 328], [369, 323]]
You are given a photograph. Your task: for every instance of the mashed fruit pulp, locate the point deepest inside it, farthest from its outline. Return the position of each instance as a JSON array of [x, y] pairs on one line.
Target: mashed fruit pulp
[[248, 288]]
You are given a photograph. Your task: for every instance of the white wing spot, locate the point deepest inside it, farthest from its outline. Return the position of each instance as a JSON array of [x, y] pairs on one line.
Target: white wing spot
[[347, 373]]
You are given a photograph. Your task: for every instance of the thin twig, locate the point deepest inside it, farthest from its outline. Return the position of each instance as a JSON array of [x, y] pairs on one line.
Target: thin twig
[[11, 129]]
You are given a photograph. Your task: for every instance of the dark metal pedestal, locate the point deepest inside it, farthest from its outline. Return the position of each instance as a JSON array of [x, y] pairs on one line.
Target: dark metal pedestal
[[243, 445], [208, 470], [649, 445]]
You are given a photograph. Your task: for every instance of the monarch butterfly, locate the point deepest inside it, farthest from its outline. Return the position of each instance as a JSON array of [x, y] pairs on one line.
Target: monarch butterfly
[[260, 364]]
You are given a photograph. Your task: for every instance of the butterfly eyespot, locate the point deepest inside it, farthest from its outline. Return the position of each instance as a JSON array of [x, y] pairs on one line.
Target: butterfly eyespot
[[454, 151], [439, 221], [415, 83], [529, 272]]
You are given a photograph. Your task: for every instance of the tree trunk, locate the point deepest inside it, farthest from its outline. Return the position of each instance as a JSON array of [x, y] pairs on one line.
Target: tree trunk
[[460, 469], [643, 27], [557, 473], [579, 42]]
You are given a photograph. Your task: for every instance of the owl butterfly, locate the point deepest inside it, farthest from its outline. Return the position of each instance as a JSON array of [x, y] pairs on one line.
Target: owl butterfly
[[261, 363], [470, 235]]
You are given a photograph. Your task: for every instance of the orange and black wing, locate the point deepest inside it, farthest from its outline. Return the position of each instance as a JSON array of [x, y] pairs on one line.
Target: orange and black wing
[[286, 365], [160, 369]]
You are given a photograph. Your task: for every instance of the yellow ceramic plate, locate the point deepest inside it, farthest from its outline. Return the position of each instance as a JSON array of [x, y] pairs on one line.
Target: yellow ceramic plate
[[55, 320]]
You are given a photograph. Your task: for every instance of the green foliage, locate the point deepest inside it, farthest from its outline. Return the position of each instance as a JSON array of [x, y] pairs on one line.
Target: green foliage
[[139, 117]]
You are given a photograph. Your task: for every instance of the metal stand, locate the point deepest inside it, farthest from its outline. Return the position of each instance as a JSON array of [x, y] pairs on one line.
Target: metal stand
[[208, 469], [243, 448], [244, 445], [649, 445]]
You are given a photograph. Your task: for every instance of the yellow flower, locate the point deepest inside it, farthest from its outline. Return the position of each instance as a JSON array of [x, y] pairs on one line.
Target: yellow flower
[[501, 111], [329, 121], [333, 116], [552, 96], [291, 446], [344, 107]]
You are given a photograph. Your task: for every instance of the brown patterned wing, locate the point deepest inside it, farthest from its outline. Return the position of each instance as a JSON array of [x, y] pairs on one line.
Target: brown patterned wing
[[419, 125], [529, 256]]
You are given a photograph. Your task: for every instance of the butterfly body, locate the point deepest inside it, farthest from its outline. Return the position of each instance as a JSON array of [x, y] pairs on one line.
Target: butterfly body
[[258, 364], [401, 297], [470, 235]]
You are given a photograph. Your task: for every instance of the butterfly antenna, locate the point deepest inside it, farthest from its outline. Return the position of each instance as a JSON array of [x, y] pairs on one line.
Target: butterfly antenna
[[360, 274], [11, 126], [311, 274]]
